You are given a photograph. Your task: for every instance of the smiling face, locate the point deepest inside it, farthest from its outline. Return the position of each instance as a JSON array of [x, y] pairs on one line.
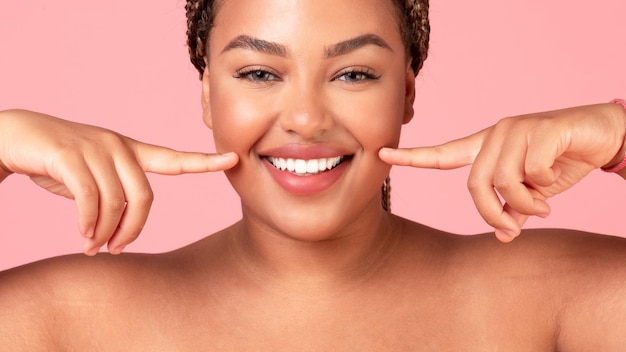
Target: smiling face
[[307, 92]]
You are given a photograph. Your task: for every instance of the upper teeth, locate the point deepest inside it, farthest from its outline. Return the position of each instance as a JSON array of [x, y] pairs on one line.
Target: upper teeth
[[302, 166]]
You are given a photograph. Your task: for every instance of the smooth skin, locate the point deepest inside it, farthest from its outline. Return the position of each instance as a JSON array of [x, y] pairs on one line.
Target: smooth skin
[[348, 279], [103, 171], [526, 160]]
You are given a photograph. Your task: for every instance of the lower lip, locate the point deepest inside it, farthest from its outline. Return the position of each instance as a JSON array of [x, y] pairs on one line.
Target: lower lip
[[306, 185]]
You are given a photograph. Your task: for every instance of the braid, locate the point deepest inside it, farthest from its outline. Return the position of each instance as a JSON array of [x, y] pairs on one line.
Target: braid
[[419, 19], [414, 27], [200, 17]]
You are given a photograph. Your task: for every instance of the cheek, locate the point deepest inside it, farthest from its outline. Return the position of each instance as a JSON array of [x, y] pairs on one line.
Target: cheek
[[237, 122], [385, 124], [374, 118]]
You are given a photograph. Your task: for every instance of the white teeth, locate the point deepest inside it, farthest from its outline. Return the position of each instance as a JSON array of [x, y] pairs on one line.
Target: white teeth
[[300, 166], [321, 164], [305, 167], [312, 166]]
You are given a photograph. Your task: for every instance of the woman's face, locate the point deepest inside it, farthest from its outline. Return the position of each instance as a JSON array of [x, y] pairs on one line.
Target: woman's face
[[307, 92]]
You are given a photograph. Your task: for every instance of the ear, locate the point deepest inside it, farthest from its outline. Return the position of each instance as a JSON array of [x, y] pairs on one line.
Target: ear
[[206, 98], [409, 95]]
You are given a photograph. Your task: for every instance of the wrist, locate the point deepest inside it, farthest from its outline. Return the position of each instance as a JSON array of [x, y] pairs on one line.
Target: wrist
[[4, 173], [618, 163]]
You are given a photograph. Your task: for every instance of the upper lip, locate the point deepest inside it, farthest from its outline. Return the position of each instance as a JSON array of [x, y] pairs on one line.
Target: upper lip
[[305, 151]]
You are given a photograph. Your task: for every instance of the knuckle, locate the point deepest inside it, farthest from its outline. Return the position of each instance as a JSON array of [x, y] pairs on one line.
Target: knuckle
[[440, 151], [503, 183], [506, 123], [64, 155], [115, 205], [180, 161], [545, 123], [536, 171], [492, 220], [473, 184], [86, 191], [112, 138], [130, 236], [145, 196]]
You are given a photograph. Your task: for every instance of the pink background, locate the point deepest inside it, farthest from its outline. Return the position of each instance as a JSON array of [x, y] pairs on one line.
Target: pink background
[[123, 65]]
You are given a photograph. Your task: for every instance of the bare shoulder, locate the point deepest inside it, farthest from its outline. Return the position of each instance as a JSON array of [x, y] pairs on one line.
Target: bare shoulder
[[574, 260], [588, 274], [573, 280], [567, 254], [44, 305], [125, 302]]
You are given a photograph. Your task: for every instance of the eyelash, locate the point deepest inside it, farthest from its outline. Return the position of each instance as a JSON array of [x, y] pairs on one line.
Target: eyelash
[[252, 75], [258, 75], [366, 74]]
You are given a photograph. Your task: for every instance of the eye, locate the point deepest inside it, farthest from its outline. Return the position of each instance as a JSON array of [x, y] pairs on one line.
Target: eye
[[256, 75], [354, 76]]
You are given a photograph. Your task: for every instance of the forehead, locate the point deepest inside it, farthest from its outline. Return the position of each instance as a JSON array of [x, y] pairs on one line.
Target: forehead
[[295, 22]]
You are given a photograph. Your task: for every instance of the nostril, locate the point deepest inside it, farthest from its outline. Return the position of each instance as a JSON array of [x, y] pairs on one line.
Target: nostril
[[306, 118]]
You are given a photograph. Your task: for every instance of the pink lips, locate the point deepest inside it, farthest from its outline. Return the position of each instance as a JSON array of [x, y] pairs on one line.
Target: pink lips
[[310, 184]]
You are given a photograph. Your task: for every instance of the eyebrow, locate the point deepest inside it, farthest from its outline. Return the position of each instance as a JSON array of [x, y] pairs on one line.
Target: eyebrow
[[350, 45], [272, 48], [256, 44]]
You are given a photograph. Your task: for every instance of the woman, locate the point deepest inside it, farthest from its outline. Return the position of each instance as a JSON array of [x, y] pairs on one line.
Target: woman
[[306, 112]]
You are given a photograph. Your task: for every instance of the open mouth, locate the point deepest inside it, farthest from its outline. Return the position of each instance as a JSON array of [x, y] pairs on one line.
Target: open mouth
[[306, 167]]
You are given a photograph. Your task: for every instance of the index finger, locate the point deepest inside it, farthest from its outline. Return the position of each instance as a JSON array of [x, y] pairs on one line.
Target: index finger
[[451, 155], [166, 161]]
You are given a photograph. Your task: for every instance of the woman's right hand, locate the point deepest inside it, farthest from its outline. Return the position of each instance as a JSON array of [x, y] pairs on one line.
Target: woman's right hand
[[103, 171]]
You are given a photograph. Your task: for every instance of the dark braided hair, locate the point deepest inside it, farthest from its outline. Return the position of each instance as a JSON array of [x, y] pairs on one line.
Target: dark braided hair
[[413, 15]]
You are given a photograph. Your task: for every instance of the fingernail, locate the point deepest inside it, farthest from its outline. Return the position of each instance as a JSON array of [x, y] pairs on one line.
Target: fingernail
[[228, 155], [543, 209], [505, 235], [118, 249], [88, 233], [89, 250]]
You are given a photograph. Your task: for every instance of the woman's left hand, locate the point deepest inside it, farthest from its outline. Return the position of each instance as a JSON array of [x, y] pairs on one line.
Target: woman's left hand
[[526, 160]]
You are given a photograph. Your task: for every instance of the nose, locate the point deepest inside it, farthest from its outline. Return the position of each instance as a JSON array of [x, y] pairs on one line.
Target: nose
[[305, 112]]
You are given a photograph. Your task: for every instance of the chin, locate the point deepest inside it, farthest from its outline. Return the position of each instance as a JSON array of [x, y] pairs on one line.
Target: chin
[[350, 204], [311, 232], [319, 222]]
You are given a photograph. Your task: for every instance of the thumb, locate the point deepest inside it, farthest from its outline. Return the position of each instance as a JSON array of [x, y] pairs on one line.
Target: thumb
[[450, 155], [51, 185], [166, 161]]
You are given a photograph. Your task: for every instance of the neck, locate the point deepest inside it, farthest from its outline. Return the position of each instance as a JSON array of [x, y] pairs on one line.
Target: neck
[[351, 254]]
